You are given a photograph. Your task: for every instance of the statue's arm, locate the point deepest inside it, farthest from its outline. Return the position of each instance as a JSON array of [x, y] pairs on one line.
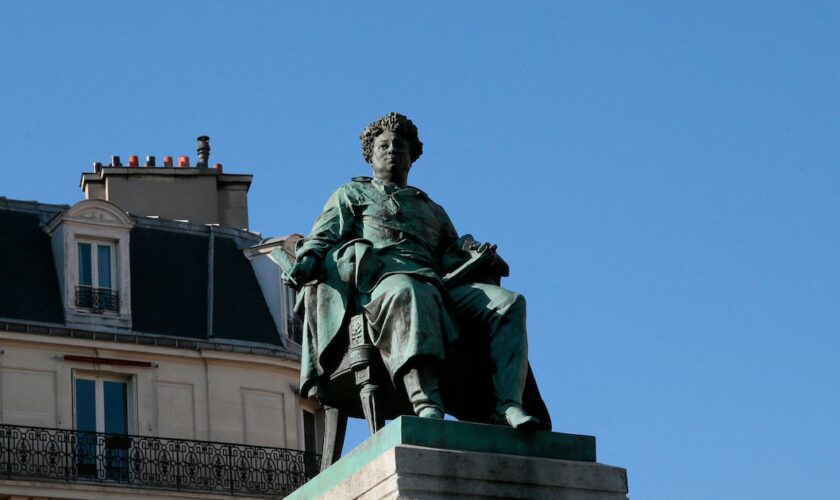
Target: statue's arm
[[463, 258], [331, 228], [452, 251]]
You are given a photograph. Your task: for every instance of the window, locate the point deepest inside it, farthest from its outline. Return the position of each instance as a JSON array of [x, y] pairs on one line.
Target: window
[[313, 439], [97, 289], [102, 419], [309, 432]]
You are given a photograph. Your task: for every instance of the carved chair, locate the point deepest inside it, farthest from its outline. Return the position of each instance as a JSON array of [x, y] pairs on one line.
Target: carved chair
[[357, 386]]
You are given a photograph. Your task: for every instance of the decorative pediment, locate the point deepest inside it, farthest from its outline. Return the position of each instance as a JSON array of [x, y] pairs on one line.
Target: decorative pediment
[[97, 212]]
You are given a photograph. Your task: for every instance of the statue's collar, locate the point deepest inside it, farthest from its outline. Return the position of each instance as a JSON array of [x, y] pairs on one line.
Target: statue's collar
[[382, 188], [385, 188]]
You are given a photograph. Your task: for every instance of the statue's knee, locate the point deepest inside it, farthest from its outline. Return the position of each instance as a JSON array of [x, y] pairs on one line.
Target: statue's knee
[[409, 289], [425, 292], [400, 289]]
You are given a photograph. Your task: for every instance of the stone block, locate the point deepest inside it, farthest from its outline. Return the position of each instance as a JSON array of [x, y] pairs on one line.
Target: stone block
[[428, 459]]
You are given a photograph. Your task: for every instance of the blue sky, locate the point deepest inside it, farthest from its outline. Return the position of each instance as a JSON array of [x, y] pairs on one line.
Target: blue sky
[[662, 178]]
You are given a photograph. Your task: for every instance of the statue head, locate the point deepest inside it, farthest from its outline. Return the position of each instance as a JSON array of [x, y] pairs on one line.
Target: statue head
[[396, 123]]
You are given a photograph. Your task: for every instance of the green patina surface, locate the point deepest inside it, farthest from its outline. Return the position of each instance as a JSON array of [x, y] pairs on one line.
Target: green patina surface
[[451, 435]]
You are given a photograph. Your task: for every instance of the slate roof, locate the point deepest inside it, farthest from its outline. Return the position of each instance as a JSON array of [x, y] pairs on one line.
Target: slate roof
[[169, 279], [168, 282], [28, 281], [237, 297]]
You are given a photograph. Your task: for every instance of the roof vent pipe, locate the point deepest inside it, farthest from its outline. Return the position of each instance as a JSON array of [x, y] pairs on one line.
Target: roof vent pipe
[[203, 151]]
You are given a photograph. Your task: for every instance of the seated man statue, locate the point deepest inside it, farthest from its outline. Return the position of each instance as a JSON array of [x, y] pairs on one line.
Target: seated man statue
[[402, 254]]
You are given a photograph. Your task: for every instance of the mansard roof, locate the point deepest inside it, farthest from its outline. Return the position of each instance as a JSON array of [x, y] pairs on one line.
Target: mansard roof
[[28, 280], [187, 280]]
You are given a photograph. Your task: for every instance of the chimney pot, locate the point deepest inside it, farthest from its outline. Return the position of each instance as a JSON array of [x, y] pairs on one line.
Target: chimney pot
[[203, 147], [150, 161], [115, 161], [97, 166], [133, 161], [184, 162], [218, 166], [167, 161]]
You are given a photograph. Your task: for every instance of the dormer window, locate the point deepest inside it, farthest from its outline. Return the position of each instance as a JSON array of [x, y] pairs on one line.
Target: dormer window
[[97, 289], [91, 249]]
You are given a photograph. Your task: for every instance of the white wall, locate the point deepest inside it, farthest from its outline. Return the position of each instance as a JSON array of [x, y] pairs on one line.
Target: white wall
[[204, 395]]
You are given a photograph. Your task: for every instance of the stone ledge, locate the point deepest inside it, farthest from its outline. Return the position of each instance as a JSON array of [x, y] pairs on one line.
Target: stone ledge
[[423, 458], [467, 436], [416, 472]]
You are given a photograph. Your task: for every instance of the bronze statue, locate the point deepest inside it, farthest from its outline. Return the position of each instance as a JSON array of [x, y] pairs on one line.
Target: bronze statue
[[393, 252]]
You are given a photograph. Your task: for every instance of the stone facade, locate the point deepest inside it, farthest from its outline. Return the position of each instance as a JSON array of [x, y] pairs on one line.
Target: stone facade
[[204, 394]]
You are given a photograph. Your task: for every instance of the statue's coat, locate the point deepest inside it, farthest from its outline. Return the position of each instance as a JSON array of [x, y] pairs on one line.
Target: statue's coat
[[364, 215]]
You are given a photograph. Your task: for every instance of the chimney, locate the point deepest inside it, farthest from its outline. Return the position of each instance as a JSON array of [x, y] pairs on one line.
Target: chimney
[[198, 194], [203, 147]]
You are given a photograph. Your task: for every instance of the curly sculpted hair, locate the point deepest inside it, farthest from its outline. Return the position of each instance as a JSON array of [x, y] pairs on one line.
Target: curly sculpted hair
[[392, 122]]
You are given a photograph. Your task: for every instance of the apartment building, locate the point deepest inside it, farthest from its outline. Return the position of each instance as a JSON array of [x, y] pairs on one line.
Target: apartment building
[[147, 345]]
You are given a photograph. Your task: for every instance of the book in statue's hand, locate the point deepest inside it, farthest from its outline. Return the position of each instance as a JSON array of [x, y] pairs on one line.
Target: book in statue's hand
[[480, 267]]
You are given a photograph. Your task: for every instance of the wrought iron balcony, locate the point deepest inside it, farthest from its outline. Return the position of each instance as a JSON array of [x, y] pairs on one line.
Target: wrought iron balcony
[[44, 454], [97, 299]]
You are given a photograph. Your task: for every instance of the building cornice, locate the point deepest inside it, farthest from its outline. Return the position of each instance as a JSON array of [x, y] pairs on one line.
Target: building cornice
[[99, 176], [233, 350]]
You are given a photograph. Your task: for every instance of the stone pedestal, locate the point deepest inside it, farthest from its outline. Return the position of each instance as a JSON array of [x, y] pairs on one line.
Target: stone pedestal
[[425, 459]]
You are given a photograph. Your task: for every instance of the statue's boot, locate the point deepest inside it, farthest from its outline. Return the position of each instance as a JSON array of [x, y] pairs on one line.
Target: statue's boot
[[517, 418], [421, 386]]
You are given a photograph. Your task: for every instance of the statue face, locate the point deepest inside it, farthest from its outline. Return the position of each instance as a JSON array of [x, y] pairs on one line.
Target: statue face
[[391, 159]]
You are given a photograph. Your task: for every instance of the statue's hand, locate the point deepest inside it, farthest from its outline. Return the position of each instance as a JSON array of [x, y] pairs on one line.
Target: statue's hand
[[302, 272], [488, 248], [483, 247]]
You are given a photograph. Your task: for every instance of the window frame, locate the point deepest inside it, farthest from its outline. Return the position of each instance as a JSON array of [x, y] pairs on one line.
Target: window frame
[[99, 379], [95, 243], [99, 454], [317, 417]]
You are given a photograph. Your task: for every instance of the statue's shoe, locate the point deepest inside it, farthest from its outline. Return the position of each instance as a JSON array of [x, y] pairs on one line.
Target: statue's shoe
[[518, 419], [430, 412]]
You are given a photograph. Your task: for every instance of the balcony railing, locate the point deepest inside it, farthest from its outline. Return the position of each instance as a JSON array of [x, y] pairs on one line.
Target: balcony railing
[[45, 454], [97, 299]]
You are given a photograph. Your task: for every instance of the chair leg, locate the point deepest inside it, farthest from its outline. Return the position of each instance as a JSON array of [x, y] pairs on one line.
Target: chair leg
[[362, 353], [368, 394], [335, 426]]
